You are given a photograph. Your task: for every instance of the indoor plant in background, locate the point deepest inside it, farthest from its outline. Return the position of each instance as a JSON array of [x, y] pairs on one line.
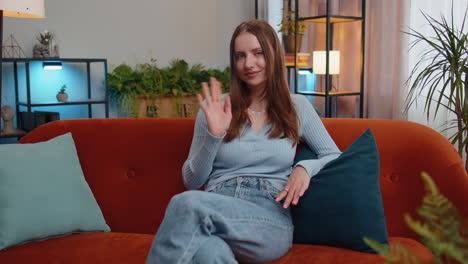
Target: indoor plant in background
[[62, 96], [441, 75], [288, 27], [148, 90]]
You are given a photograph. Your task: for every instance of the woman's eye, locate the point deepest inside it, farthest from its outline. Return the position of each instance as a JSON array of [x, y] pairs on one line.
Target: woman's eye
[[240, 56], [259, 53]]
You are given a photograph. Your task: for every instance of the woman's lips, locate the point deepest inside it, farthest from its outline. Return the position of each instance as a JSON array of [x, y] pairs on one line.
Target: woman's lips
[[251, 75]]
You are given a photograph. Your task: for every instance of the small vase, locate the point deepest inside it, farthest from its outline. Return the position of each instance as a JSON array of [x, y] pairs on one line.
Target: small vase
[[289, 43], [62, 97]]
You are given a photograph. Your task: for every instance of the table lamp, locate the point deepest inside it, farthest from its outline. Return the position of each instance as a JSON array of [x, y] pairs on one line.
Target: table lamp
[[17, 8], [320, 61]]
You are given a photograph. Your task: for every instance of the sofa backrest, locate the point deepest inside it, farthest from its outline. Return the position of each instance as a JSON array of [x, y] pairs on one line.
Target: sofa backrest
[[133, 166]]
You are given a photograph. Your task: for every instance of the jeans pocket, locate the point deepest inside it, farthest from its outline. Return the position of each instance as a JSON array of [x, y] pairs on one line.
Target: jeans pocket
[[269, 190], [225, 187]]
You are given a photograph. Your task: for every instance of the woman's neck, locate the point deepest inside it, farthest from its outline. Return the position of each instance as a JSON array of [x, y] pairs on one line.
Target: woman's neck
[[257, 104]]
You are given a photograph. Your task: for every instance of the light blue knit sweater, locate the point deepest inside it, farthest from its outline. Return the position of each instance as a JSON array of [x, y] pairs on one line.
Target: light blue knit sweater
[[212, 161]]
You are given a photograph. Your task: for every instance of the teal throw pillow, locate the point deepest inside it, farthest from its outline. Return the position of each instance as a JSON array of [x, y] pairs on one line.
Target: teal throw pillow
[[43, 193], [343, 203]]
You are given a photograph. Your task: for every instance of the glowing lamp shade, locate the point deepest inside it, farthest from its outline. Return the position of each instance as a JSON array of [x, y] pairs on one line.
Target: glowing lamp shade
[[23, 8], [52, 65], [319, 62]]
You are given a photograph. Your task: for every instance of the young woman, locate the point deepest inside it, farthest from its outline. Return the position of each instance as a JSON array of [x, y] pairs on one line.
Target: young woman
[[242, 152]]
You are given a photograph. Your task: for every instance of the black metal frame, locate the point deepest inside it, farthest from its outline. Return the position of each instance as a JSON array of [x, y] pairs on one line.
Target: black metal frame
[[329, 33], [28, 102]]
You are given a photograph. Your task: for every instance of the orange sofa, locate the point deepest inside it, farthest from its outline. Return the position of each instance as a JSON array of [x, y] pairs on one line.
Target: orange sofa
[[133, 167]]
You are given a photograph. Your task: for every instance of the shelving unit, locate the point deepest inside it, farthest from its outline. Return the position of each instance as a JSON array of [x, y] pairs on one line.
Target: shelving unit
[[29, 103], [330, 20]]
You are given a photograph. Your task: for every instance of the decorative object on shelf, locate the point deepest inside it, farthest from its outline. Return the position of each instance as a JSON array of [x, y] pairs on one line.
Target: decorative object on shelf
[[301, 58], [441, 75], [12, 49], [328, 19], [62, 96], [7, 115], [320, 62], [30, 120], [15, 8], [46, 48], [27, 101], [150, 91], [287, 27]]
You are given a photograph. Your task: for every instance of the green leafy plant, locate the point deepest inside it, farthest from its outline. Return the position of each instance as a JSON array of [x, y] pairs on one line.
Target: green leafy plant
[[442, 231], [127, 84], [62, 89], [441, 75], [288, 25], [45, 37]]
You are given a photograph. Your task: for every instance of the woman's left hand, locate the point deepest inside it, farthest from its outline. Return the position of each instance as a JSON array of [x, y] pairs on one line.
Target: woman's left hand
[[295, 187]]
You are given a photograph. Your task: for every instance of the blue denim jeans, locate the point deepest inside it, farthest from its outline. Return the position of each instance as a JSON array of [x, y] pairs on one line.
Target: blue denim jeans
[[238, 220]]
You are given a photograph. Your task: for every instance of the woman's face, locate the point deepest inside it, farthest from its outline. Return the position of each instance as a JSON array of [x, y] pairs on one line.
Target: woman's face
[[250, 61]]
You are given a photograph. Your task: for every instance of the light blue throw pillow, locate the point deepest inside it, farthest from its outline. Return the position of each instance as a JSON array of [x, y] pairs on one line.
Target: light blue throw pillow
[[43, 193]]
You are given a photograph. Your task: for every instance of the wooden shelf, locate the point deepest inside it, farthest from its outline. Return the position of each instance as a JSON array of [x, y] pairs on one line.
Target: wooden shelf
[[84, 102], [299, 65], [69, 60], [331, 93], [18, 133], [333, 19]]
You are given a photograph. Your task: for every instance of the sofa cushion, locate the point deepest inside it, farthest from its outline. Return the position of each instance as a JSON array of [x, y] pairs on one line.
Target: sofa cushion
[[95, 248], [43, 193], [104, 248], [312, 254], [343, 203]]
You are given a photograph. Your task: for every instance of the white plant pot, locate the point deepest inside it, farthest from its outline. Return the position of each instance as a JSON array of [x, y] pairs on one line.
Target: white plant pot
[[62, 97]]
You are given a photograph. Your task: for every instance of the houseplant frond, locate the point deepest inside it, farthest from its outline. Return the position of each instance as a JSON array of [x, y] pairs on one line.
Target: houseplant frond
[[441, 229], [440, 74]]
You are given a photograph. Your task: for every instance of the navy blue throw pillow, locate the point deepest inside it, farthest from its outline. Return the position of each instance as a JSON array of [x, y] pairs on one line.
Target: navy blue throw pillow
[[343, 203]]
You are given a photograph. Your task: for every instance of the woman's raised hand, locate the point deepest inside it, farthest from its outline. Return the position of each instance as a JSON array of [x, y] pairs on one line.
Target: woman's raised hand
[[218, 115]]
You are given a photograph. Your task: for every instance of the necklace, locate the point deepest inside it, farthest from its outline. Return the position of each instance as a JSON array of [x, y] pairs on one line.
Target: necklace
[[256, 112]]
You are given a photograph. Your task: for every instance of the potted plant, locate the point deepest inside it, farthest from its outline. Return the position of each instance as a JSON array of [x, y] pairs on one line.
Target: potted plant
[[150, 91], [62, 96], [288, 27], [441, 75], [442, 231]]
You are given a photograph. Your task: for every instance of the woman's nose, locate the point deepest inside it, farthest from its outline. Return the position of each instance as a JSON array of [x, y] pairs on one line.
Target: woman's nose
[[249, 61]]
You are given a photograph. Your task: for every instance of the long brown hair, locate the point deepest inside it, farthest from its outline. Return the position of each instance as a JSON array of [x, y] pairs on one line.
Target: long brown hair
[[281, 112]]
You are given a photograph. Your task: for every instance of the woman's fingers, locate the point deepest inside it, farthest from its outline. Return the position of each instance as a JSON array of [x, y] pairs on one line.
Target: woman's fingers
[[292, 192], [215, 89], [227, 105], [304, 188], [280, 196], [206, 93], [200, 102], [289, 198]]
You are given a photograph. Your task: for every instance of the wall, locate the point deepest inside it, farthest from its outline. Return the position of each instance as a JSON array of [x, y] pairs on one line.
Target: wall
[[134, 31], [123, 31], [434, 8]]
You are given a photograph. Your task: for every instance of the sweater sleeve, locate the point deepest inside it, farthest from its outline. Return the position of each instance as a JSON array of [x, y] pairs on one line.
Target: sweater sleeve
[[314, 133], [197, 168]]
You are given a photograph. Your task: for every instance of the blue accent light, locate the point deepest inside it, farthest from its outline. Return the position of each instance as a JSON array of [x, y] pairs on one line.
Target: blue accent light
[[306, 80], [304, 72], [51, 65]]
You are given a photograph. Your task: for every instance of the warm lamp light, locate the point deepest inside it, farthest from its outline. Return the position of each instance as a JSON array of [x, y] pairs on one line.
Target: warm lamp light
[[320, 60]]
